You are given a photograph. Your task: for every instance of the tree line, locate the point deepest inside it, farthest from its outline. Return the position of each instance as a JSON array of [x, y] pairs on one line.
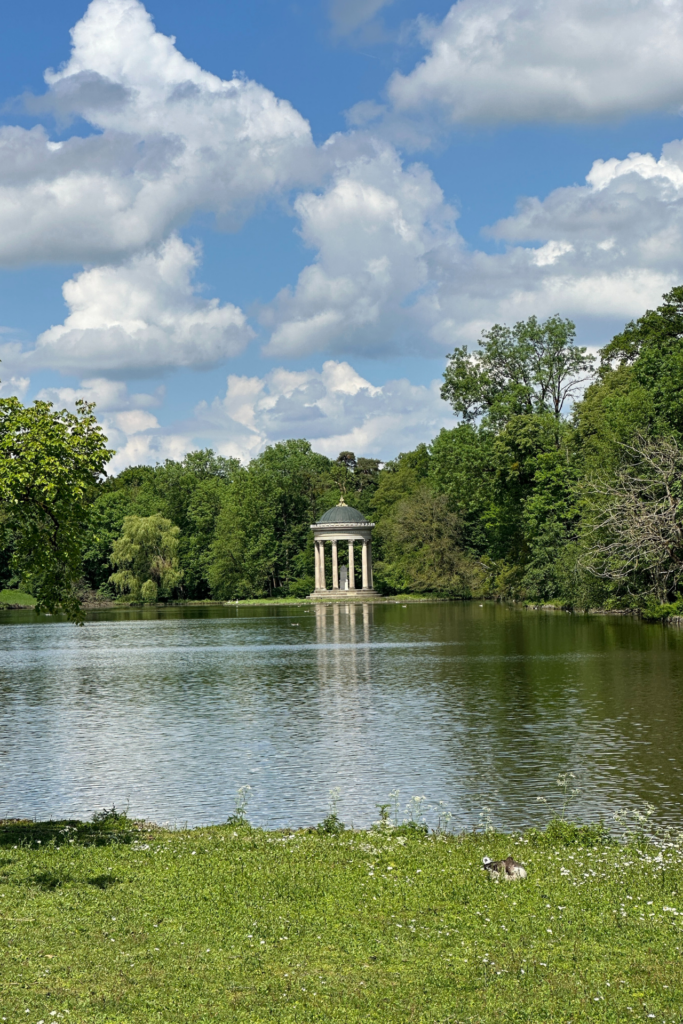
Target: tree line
[[560, 481]]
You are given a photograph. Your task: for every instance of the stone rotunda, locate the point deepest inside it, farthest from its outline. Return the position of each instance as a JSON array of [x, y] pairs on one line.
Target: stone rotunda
[[345, 524]]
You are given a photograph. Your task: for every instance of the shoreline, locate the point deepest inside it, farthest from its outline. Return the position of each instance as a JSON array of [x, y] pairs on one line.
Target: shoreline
[[340, 598], [228, 923]]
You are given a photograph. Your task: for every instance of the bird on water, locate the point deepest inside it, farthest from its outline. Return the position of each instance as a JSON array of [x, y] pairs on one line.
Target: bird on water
[[508, 870]]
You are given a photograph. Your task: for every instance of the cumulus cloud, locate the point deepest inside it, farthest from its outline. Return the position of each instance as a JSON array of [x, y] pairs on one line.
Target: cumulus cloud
[[374, 228], [14, 387], [110, 396], [131, 429], [143, 315], [539, 60], [169, 139], [605, 249], [335, 408], [392, 274]]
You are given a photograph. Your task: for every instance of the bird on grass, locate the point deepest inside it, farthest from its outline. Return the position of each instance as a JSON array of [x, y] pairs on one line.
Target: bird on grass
[[508, 870]]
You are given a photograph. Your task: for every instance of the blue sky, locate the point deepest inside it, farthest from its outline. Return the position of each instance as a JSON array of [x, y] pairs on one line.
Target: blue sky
[[231, 223]]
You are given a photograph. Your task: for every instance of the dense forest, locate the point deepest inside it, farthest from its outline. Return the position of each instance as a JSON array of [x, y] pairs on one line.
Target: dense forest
[[561, 481]]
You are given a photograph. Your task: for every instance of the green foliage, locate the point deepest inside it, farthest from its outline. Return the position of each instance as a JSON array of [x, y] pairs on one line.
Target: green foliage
[[14, 598], [50, 462], [560, 832], [106, 827], [149, 591], [146, 554], [188, 493], [529, 368], [540, 493], [652, 347], [332, 825], [586, 511], [263, 542], [421, 545]]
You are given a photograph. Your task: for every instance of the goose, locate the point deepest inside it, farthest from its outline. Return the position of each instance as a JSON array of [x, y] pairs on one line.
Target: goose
[[509, 870]]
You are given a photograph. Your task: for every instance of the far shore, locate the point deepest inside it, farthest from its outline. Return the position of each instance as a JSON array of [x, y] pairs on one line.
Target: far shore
[[18, 601]]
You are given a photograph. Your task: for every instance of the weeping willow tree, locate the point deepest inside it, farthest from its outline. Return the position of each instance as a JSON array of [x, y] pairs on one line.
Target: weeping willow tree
[[146, 558]]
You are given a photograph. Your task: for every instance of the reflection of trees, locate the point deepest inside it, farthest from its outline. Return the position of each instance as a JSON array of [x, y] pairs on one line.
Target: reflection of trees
[[474, 706]]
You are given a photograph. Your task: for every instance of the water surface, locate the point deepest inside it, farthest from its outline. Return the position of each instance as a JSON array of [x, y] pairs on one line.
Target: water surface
[[169, 712]]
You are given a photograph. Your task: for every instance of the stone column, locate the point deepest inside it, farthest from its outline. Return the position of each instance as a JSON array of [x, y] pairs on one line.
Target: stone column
[[335, 567], [321, 564], [366, 585], [370, 583], [352, 571]]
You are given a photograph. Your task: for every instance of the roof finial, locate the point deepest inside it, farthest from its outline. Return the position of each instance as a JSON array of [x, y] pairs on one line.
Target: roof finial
[[342, 503]]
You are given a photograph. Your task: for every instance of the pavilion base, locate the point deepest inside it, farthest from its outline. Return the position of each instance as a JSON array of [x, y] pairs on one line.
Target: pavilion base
[[343, 595]]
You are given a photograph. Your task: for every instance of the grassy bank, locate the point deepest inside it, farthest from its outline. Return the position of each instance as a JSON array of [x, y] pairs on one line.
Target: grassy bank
[[268, 602], [233, 924], [16, 599]]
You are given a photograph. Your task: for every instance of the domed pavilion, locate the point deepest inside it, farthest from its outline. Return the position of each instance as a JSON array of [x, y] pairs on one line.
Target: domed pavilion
[[346, 525]]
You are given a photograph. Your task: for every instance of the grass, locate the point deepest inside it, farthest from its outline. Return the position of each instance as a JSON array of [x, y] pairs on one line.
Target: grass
[[106, 923], [265, 602], [17, 597]]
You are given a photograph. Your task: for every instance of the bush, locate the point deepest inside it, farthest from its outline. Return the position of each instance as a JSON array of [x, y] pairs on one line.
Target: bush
[[149, 591], [332, 825], [560, 832]]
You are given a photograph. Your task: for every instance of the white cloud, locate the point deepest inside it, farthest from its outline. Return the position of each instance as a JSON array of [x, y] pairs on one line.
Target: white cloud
[[132, 431], [392, 274], [608, 249], [540, 60], [146, 449], [348, 15], [626, 202], [143, 315], [108, 396], [335, 409], [170, 139], [14, 387], [374, 228]]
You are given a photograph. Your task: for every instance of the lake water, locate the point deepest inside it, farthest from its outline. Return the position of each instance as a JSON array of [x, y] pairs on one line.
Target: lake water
[[169, 712]]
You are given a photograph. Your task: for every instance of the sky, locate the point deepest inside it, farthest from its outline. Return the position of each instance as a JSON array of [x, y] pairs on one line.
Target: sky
[[231, 223]]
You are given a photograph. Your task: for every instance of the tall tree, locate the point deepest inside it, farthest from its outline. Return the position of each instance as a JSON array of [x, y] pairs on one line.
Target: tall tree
[[146, 557], [530, 368], [189, 493], [652, 349], [263, 543], [50, 463]]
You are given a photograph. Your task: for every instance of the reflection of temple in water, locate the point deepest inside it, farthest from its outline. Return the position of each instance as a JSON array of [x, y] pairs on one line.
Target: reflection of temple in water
[[343, 637]]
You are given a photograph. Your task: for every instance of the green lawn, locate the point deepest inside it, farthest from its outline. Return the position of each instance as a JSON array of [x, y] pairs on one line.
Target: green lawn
[[17, 597], [229, 924]]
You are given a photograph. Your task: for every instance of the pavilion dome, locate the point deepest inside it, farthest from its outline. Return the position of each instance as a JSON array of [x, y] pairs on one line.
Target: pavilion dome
[[342, 513]]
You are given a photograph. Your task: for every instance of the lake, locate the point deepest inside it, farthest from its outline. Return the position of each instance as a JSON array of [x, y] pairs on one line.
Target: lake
[[477, 707]]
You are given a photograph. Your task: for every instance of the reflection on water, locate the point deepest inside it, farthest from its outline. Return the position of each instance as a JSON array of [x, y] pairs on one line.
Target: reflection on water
[[169, 712]]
